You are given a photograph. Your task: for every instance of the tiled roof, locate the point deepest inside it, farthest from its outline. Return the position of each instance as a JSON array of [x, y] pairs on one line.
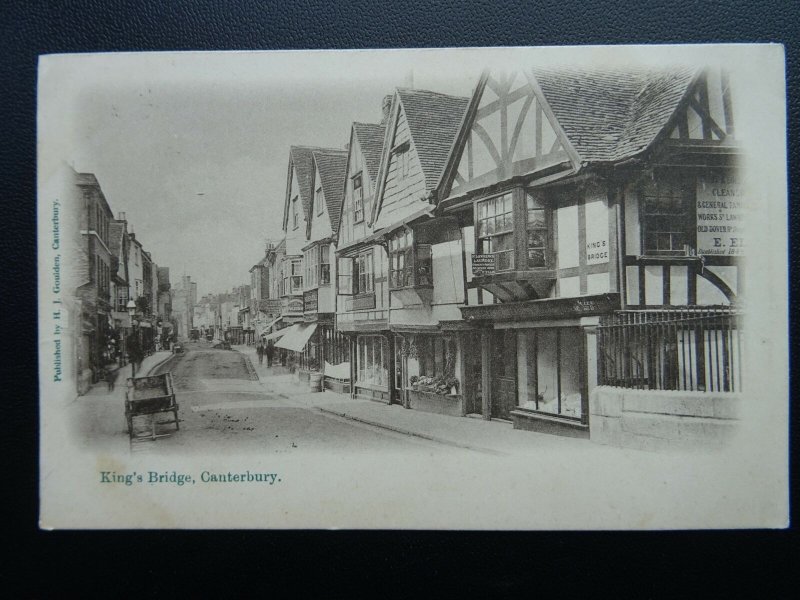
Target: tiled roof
[[612, 114], [370, 139], [434, 120], [116, 230], [303, 162], [332, 166]]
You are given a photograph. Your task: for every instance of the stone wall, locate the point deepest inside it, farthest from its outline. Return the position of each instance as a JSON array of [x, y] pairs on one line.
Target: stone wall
[[658, 419]]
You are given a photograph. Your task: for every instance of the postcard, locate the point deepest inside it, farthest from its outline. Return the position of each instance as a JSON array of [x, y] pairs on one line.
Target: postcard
[[467, 288]]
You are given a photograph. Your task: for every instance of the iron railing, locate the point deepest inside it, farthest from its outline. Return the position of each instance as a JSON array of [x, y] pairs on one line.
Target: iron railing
[[688, 348]]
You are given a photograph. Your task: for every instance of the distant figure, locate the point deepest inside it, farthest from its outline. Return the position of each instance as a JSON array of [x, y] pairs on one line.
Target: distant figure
[[269, 351], [260, 352], [110, 376], [135, 354]]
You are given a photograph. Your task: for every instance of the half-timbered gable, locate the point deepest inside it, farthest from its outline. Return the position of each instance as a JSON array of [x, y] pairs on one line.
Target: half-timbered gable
[[511, 133]]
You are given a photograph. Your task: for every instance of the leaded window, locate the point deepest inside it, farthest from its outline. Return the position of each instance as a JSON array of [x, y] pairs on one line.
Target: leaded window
[[495, 230]]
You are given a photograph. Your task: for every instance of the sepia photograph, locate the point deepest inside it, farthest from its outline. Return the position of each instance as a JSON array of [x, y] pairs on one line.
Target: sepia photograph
[[475, 288]]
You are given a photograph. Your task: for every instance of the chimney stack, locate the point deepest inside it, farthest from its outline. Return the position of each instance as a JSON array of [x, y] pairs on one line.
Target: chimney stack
[[122, 217], [386, 107]]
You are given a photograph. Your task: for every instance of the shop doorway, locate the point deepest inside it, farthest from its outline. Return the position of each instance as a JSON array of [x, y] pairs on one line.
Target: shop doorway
[[473, 373], [503, 373]]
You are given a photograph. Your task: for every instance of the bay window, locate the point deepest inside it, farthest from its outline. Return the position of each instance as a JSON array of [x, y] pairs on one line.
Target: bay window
[[666, 208], [495, 230], [536, 229], [410, 263], [324, 264], [317, 266], [292, 277]]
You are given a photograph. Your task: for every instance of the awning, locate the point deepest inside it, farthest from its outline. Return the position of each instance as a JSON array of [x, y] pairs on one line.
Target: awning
[[298, 336], [277, 334], [271, 323]]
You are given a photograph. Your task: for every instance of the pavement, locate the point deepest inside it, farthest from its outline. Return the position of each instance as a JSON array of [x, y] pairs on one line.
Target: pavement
[[99, 417], [491, 437], [99, 414]]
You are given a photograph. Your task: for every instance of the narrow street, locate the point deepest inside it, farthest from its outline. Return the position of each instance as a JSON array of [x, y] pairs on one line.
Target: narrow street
[[225, 407]]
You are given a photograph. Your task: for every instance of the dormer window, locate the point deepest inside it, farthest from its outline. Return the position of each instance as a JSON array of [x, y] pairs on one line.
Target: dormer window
[[358, 199]]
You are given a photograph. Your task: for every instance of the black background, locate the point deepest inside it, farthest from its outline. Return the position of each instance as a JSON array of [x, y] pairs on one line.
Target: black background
[[44, 564]]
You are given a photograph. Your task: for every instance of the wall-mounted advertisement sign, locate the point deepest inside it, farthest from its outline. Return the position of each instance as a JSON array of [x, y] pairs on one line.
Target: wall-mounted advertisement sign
[[720, 218], [482, 265]]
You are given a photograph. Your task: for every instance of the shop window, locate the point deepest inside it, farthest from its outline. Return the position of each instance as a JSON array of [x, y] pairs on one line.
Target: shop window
[[358, 199], [553, 376], [666, 224], [536, 231], [495, 230], [410, 264], [373, 361]]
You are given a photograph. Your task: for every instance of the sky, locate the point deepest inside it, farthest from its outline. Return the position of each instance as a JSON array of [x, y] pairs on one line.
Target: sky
[[195, 149]]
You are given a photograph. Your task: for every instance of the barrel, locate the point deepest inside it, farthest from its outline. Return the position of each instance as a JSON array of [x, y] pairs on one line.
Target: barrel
[[315, 382]]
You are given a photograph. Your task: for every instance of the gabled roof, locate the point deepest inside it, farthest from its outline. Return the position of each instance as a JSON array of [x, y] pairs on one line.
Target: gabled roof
[[302, 160], [116, 232], [332, 167], [433, 120], [612, 114], [370, 140]]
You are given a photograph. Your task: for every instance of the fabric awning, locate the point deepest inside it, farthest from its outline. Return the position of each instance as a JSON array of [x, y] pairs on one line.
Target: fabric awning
[[271, 323], [298, 336], [277, 334]]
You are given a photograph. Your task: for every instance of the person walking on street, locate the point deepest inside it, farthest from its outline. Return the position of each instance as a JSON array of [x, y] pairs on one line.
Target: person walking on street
[[260, 352], [135, 353], [269, 351]]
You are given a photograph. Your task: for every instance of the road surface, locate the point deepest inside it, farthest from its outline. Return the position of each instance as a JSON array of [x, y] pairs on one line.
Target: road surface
[[224, 407]]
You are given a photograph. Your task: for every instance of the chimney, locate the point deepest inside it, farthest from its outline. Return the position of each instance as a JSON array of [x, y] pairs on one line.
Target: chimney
[[121, 217], [386, 107]]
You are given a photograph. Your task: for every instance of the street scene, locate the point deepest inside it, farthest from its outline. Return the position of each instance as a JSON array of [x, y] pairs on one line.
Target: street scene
[[504, 261]]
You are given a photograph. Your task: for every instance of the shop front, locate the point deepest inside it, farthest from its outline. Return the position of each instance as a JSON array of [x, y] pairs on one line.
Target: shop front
[[538, 361]]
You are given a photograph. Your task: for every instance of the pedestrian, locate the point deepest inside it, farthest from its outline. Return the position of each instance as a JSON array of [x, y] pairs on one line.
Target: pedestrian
[[260, 352], [135, 353], [269, 351]]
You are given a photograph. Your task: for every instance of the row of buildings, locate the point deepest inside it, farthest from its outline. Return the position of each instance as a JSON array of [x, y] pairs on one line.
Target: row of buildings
[[119, 289], [561, 251]]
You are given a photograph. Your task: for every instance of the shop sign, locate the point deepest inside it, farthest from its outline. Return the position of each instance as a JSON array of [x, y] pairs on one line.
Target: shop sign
[[483, 265], [311, 301], [720, 219], [292, 306]]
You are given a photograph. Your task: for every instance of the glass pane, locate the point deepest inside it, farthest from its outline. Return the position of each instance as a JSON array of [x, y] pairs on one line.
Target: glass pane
[[536, 239], [536, 218], [536, 258]]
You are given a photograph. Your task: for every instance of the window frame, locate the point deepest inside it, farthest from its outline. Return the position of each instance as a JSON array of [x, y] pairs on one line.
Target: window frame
[[404, 245], [319, 197], [685, 216], [295, 216], [358, 197], [510, 233]]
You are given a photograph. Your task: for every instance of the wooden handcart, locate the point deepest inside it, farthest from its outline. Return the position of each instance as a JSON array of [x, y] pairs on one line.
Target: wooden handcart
[[150, 395]]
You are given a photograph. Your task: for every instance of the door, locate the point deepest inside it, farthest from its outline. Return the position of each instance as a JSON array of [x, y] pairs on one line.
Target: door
[[504, 373]]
